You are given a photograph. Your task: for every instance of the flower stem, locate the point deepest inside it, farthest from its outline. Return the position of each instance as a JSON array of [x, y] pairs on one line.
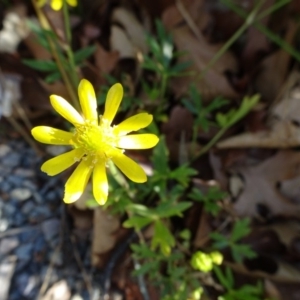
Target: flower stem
[[69, 52], [46, 26], [211, 143]]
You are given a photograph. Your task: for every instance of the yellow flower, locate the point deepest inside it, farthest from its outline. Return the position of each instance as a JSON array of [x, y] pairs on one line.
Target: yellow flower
[[57, 4], [94, 142]]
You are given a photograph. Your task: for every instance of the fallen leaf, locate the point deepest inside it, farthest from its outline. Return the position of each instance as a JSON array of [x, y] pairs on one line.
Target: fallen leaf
[[197, 51], [260, 196], [120, 42], [273, 70], [105, 61], [284, 120], [134, 29]]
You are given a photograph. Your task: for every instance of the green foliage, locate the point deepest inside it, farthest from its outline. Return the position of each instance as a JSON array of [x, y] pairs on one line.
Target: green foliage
[[165, 258], [50, 66], [162, 54], [210, 199], [245, 292], [235, 115], [201, 112], [239, 251], [176, 282]]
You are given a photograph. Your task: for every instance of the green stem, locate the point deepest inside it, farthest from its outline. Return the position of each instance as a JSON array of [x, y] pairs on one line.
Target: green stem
[[55, 52], [211, 143], [248, 22], [274, 37], [69, 52]]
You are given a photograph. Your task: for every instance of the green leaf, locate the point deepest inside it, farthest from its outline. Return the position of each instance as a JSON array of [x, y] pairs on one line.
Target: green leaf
[[160, 157], [241, 229], [241, 251], [84, 53], [222, 120], [137, 222], [41, 65], [225, 279], [53, 77], [167, 210], [162, 238], [182, 174]]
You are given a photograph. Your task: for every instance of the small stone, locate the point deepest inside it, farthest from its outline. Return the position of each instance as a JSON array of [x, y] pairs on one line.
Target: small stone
[[39, 214], [57, 259], [8, 244], [24, 252], [4, 149], [28, 207], [21, 194], [10, 209], [5, 186], [15, 180], [7, 269], [59, 291], [18, 220], [50, 229], [12, 160], [24, 172], [39, 244], [31, 285], [3, 224], [76, 297], [29, 184]]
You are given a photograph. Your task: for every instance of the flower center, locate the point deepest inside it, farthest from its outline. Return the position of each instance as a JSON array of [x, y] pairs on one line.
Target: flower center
[[98, 141]]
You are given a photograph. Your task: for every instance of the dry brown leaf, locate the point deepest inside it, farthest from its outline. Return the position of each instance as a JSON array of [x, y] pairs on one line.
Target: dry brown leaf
[[271, 290], [133, 28], [104, 236], [274, 68], [180, 124], [287, 231], [260, 186], [200, 53], [290, 188], [285, 272], [56, 88], [282, 135], [284, 123], [105, 60], [120, 42]]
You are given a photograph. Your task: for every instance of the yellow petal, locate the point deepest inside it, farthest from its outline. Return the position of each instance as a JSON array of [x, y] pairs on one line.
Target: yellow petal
[[66, 110], [62, 162], [113, 100], [138, 141], [56, 4], [130, 168], [72, 2], [53, 136], [133, 123], [100, 184], [88, 101], [77, 181]]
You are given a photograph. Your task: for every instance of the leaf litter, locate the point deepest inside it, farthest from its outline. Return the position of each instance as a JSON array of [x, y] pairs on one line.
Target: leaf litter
[[264, 188]]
